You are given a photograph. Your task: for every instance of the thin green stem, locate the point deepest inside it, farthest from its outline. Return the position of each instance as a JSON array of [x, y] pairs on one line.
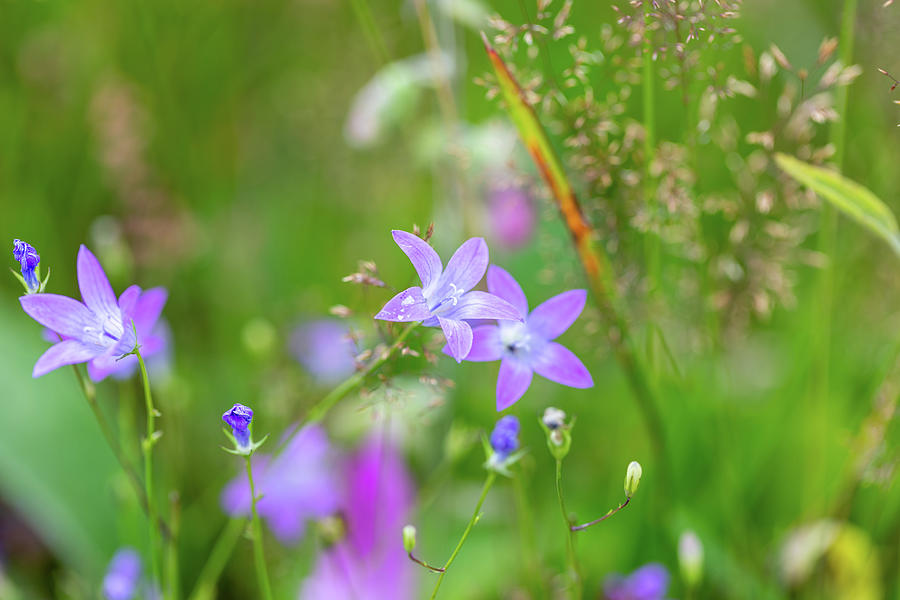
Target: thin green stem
[[205, 587], [611, 512], [822, 315], [321, 408], [258, 555], [173, 574], [530, 557], [575, 570], [475, 516], [147, 446]]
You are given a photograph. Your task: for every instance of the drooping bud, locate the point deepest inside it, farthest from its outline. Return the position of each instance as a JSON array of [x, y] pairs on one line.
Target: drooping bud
[[409, 538], [632, 478], [123, 575], [690, 558]]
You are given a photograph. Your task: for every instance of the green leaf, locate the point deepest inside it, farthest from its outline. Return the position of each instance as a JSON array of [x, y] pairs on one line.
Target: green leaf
[[854, 200]]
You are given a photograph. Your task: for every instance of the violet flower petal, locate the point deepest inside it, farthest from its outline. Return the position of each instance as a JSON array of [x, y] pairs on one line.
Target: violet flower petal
[[552, 317], [408, 305], [464, 270], [512, 382], [424, 259], [66, 352], [486, 345], [96, 291], [148, 309], [62, 314], [501, 284], [482, 305], [557, 363], [459, 337]]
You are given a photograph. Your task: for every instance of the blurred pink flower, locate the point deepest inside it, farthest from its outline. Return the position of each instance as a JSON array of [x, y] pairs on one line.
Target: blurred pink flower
[[512, 216], [369, 563]]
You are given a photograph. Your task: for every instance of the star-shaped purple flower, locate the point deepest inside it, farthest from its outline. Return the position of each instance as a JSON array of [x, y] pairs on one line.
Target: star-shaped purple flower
[[99, 330], [445, 299], [527, 347], [649, 582]]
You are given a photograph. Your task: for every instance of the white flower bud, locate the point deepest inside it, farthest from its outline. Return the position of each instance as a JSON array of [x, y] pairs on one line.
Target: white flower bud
[[409, 538], [632, 478]]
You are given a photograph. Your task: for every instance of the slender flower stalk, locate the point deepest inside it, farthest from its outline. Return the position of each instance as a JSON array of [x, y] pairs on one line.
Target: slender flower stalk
[[652, 245], [259, 557], [476, 515], [149, 441], [574, 568], [632, 480]]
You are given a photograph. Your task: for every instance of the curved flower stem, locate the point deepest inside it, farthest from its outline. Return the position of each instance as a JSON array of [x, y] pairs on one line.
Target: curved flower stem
[[147, 447], [425, 564], [611, 512], [321, 408], [258, 556], [570, 537], [475, 516]]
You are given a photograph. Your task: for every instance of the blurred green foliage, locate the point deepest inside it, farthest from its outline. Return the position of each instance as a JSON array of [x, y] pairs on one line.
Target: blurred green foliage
[[201, 147]]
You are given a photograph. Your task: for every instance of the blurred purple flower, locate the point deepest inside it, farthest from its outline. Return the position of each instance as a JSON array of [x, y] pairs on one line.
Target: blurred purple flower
[[239, 417], [444, 299], [297, 485], [526, 348], [28, 259], [512, 216], [369, 563], [505, 437], [99, 330], [325, 349], [649, 582], [123, 575]]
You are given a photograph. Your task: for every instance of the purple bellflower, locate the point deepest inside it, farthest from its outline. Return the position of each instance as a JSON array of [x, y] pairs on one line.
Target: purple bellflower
[[445, 299], [369, 563], [123, 575], [505, 437], [325, 349], [99, 330], [239, 418], [28, 259], [649, 582], [297, 485], [527, 347]]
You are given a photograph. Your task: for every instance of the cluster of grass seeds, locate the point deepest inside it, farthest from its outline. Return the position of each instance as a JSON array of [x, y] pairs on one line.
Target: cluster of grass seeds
[[716, 199]]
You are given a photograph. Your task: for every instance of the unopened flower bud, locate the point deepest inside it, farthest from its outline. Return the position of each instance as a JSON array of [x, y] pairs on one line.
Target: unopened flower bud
[[553, 418], [28, 259], [690, 558], [409, 538], [632, 478]]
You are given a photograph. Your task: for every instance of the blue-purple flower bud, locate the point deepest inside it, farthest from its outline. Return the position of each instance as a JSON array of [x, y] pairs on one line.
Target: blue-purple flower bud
[[239, 418], [28, 258], [123, 575], [505, 437]]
